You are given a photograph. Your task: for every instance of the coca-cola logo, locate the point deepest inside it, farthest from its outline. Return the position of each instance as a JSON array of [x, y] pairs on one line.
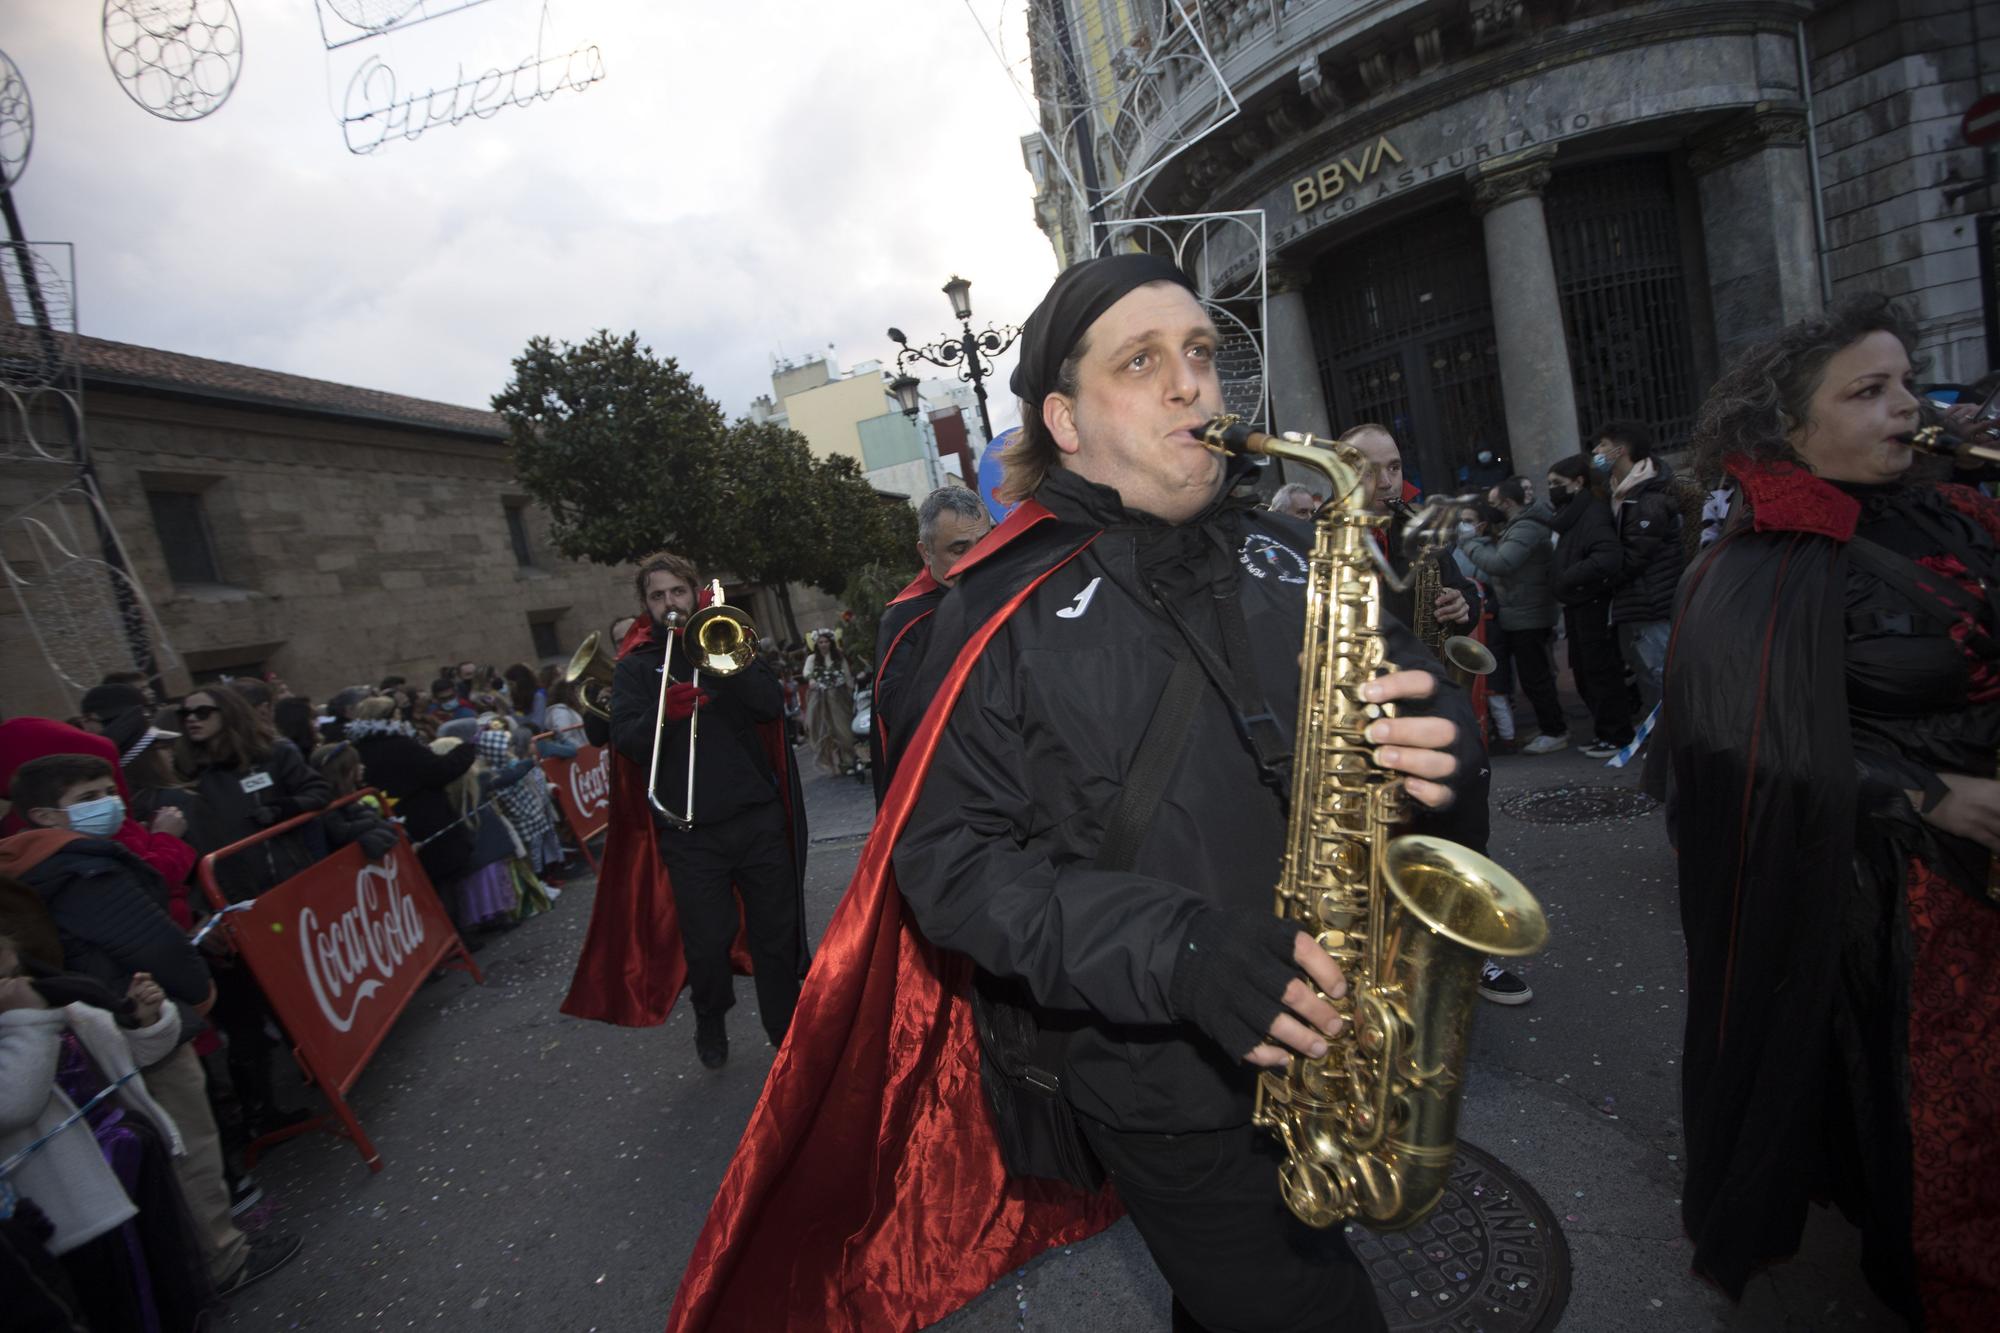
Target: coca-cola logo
[[590, 785], [358, 952]]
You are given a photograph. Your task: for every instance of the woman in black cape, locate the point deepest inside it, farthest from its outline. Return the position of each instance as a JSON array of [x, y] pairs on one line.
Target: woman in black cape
[[1832, 722]]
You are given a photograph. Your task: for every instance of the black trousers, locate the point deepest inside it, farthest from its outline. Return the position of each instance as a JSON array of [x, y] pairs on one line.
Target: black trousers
[[1208, 1208], [709, 864], [1529, 649], [1599, 668]]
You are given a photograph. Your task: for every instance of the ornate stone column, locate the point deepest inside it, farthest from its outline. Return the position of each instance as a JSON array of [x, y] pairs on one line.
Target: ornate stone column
[[1756, 223], [1298, 399], [1527, 311]]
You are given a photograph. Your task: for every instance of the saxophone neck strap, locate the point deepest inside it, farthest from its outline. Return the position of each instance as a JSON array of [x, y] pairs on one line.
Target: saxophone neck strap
[[1234, 675]]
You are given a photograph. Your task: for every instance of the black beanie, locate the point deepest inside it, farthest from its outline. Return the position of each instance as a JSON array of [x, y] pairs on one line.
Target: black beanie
[[122, 711], [1081, 293]]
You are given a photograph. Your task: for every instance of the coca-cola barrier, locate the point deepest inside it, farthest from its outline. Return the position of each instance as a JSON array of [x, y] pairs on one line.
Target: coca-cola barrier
[[583, 790], [339, 950]]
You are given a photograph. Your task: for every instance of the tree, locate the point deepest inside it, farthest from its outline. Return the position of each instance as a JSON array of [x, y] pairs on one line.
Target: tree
[[620, 446], [800, 519], [630, 456]]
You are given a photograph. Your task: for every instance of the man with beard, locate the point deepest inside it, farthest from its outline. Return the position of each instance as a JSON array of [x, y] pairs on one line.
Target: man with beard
[[739, 842]]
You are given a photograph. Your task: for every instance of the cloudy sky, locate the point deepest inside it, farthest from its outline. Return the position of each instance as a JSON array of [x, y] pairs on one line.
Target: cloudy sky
[[750, 177]]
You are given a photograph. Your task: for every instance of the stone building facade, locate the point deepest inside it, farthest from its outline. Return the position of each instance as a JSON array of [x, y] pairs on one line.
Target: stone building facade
[[329, 534], [1493, 224]]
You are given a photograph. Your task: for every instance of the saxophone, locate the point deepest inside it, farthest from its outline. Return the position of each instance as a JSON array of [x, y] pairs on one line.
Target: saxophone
[[1464, 655], [1369, 1129]]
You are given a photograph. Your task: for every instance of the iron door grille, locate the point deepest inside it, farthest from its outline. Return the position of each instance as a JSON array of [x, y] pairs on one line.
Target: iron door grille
[[1401, 282], [1403, 327], [1616, 243]]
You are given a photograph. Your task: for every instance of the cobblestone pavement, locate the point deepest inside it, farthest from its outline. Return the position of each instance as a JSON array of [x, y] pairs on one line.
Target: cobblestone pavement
[[543, 1173]]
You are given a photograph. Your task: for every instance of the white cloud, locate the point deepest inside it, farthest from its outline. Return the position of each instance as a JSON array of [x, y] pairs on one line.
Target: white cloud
[[752, 177]]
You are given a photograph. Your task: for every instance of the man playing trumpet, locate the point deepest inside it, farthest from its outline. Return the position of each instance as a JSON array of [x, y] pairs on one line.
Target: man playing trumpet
[[738, 840]]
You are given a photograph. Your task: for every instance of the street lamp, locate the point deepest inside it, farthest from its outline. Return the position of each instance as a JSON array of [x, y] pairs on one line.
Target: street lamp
[[905, 388], [962, 353]]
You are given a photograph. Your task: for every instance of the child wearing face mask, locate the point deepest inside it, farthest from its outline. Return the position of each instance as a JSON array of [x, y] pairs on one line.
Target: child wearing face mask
[[107, 909]]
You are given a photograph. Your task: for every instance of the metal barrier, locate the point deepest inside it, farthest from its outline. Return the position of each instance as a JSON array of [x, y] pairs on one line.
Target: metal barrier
[[339, 950], [583, 789]]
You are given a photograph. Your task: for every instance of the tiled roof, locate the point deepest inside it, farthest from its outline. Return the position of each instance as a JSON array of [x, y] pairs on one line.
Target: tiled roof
[[122, 364]]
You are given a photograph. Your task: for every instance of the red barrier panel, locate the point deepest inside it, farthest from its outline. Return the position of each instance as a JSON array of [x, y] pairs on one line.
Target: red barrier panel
[[583, 790], [339, 949]]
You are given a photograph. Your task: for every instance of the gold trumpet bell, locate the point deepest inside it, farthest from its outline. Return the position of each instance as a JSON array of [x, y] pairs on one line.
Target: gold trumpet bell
[[720, 640], [590, 669]]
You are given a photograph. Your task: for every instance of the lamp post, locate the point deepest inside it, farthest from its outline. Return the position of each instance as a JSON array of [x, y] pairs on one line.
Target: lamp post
[[969, 353]]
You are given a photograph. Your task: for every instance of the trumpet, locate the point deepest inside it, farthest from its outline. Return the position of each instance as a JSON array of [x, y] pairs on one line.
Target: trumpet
[[591, 669], [722, 641]]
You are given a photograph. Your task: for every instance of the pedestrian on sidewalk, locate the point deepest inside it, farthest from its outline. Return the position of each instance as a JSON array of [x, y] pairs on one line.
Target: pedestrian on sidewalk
[[1583, 572], [1648, 516], [1517, 562]]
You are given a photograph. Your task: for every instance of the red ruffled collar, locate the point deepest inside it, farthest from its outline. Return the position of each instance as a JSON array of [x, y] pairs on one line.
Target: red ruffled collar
[[1785, 497], [917, 586]]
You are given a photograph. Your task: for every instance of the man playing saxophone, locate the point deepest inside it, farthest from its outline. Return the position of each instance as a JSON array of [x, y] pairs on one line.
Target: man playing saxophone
[[1082, 840], [1147, 936]]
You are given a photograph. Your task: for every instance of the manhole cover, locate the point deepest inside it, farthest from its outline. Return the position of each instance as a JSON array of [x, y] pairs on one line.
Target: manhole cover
[[1490, 1257], [1578, 805]]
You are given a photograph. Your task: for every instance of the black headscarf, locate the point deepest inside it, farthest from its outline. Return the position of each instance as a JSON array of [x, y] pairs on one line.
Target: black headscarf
[[1081, 293]]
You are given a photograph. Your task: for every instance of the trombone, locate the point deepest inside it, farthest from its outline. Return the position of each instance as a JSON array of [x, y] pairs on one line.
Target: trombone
[[722, 641]]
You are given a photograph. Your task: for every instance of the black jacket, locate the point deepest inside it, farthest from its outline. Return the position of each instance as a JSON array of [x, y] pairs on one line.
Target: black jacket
[[109, 909], [899, 705], [1589, 556], [358, 822], [1649, 529], [997, 859], [415, 777], [733, 772], [240, 801]]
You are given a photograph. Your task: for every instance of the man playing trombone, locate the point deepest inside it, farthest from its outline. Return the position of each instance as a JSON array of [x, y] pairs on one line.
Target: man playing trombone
[[722, 803]]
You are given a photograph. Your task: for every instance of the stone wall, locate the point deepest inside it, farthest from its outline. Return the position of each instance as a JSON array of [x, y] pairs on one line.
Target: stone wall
[[345, 549], [1891, 79]]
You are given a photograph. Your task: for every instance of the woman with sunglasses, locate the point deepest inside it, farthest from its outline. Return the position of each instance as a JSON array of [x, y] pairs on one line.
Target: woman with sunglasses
[[248, 781]]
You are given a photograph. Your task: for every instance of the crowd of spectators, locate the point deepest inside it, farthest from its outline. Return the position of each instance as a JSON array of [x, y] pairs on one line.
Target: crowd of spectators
[[138, 1054]]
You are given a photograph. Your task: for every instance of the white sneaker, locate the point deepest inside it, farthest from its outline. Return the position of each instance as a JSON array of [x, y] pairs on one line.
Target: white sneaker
[[1545, 744]]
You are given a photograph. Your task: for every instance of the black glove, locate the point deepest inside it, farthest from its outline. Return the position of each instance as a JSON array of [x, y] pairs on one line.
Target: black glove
[[378, 840], [263, 816], [1231, 974]]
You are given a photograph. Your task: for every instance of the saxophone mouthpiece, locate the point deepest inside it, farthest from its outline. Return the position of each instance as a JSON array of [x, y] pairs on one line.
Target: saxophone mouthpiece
[[1227, 434]]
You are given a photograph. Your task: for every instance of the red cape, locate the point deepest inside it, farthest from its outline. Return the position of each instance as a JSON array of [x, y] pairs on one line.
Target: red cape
[[632, 967], [868, 1192]]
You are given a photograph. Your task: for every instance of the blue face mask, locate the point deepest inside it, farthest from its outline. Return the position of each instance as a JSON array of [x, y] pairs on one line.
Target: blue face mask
[[1602, 462], [99, 818]]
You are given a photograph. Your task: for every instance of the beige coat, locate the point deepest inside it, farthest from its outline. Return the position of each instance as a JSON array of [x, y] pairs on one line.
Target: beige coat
[[67, 1177]]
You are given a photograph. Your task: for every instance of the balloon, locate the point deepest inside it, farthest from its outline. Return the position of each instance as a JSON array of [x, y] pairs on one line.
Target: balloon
[[989, 472]]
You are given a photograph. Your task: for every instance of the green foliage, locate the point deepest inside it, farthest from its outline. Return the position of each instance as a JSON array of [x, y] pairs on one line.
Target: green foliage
[[867, 596], [630, 456], [620, 446]]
